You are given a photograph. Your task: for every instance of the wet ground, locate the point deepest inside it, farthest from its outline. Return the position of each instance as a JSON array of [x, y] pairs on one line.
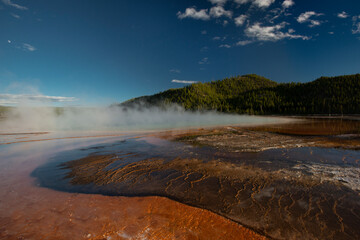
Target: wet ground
[[29, 211], [291, 185], [326, 133]]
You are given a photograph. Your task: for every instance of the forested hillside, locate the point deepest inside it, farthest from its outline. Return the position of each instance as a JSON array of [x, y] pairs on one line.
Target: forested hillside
[[253, 94]]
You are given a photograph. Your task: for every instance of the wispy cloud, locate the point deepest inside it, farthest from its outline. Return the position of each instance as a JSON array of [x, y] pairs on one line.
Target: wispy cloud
[[263, 3], [356, 24], [288, 3], [15, 15], [28, 98], [183, 81], [218, 2], [356, 29], [306, 18], [28, 47], [241, 1], [217, 38], [257, 3], [225, 46], [240, 20], [10, 3], [204, 14], [174, 70], [203, 32], [244, 43], [271, 33], [343, 14], [193, 13], [219, 11], [262, 20], [205, 60], [314, 23]]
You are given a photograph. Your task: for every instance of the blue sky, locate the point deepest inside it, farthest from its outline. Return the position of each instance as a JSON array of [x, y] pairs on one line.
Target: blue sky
[[92, 52]]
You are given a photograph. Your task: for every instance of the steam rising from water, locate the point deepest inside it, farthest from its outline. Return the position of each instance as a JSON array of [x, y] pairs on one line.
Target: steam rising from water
[[23, 119]]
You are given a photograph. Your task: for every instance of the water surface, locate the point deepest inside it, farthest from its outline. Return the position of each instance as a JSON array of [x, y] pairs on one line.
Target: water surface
[[308, 193]]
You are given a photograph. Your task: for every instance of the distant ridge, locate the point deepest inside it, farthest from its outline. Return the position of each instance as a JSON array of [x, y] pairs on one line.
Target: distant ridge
[[253, 94]]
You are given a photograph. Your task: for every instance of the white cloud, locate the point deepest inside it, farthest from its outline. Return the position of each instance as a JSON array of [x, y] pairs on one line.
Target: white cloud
[[240, 20], [356, 30], [263, 3], [271, 33], [28, 98], [276, 13], [9, 3], [193, 13], [355, 18], [183, 81], [343, 14], [331, 33], [224, 46], [205, 60], [314, 23], [174, 70], [305, 17], [241, 1], [219, 11], [203, 32], [28, 47], [217, 38], [288, 3], [356, 24], [218, 2], [257, 3], [9, 41], [15, 15], [244, 43], [225, 22]]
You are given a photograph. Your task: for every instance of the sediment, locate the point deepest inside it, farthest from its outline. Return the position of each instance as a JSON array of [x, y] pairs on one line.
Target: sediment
[[280, 183]]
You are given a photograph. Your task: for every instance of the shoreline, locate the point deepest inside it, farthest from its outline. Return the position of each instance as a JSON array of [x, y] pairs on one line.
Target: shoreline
[[62, 215], [241, 187], [281, 184], [31, 136]]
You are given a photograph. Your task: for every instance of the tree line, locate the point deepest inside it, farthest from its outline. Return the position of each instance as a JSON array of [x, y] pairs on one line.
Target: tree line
[[253, 94]]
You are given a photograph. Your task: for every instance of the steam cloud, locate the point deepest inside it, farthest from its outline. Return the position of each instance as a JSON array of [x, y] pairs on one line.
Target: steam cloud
[[31, 119]]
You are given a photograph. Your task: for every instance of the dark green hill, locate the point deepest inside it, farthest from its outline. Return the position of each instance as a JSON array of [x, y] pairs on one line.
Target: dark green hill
[[253, 94]]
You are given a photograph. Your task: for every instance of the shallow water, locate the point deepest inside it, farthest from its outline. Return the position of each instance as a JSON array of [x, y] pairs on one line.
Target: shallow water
[[310, 193], [28, 211], [61, 185]]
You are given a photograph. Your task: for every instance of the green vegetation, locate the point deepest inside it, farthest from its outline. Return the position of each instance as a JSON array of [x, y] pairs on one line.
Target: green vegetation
[[254, 94]]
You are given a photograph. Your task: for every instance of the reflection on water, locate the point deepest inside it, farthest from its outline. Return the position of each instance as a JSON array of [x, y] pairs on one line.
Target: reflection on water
[[50, 185], [296, 193], [28, 211], [317, 126]]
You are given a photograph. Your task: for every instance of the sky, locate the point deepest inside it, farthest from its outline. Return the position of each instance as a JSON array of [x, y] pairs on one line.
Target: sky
[[98, 52]]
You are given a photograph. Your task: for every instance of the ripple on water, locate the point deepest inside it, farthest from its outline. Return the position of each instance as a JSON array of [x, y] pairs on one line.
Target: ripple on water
[[307, 193]]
